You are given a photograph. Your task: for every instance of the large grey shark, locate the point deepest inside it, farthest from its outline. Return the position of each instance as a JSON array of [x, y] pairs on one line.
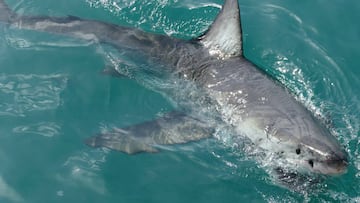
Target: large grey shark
[[244, 98]]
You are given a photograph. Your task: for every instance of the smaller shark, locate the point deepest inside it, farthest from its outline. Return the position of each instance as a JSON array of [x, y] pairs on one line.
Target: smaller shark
[[241, 96]]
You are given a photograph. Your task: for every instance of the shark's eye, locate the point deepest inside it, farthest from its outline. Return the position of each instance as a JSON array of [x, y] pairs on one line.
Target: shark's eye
[[298, 151], [311, 162]]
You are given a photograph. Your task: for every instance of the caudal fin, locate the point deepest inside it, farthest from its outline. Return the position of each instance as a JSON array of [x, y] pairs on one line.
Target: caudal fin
[[5, 12]]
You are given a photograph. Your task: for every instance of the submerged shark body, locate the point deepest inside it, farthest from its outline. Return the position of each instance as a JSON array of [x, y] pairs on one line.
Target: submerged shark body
[[247, 100]]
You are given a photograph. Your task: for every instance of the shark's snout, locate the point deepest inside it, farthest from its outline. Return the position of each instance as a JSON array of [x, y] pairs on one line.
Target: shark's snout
[[332, 165], [338, 162]]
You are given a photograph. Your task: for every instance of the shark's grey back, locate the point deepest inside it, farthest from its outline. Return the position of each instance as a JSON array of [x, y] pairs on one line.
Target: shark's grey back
[[247, 100]]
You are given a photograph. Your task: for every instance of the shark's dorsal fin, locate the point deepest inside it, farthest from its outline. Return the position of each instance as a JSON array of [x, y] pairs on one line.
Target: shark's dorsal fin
[[224, 36]]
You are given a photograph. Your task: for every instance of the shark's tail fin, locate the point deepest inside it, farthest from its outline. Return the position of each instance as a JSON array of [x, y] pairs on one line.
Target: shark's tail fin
[[5, 12]]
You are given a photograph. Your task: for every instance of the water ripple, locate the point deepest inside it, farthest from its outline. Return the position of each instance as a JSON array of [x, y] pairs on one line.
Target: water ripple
[[149, 15], [82, 168], [26, 93], [47, 129]]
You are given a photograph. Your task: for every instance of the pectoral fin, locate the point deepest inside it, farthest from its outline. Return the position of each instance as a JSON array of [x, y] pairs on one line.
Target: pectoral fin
[[121, 141], [111, 71], [5, 12], [173, 128]]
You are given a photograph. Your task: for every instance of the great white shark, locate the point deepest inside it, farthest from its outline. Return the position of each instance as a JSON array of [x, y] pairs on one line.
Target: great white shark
[[251, 103]]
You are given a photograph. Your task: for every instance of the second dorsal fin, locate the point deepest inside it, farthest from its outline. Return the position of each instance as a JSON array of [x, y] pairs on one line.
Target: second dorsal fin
[[224, 36]]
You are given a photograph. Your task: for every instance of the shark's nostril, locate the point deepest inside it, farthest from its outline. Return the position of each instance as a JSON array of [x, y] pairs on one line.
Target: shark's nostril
[[311, 163]]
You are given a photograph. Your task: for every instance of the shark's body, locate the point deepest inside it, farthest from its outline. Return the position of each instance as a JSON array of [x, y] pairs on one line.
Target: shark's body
[[244, 98]]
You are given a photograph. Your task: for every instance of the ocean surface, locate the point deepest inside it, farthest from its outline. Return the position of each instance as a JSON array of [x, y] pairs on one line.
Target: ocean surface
[[53, 96]]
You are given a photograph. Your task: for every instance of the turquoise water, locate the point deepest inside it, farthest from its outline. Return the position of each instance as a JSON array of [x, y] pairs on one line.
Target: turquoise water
[[52, 97]]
